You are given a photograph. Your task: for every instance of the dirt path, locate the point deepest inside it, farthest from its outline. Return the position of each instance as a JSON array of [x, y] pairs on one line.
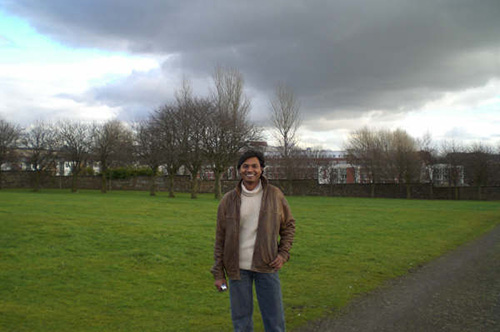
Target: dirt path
[[459, 291]]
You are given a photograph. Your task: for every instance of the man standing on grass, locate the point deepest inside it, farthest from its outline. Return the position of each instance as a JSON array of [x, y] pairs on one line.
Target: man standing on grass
[[255, 230]]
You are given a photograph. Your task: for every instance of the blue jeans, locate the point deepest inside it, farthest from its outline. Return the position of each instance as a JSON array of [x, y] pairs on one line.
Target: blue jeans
[[268, 289]]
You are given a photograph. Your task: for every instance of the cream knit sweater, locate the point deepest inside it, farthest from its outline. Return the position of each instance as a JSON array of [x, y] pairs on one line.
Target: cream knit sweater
[[249, 220]]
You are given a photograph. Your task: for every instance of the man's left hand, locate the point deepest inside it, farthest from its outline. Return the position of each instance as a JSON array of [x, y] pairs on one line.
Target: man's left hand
[[277, 263]]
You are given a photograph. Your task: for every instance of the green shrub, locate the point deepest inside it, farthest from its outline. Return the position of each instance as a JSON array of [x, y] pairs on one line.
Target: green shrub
[[142, 171], [87, 171]]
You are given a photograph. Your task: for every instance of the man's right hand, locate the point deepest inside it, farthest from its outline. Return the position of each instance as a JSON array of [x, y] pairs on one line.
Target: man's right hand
[[218, 284]]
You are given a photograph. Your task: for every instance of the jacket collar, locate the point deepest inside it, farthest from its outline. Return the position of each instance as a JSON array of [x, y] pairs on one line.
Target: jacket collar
[[263, 180]]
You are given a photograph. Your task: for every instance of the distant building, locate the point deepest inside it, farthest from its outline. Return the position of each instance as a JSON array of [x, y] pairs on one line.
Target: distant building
[[446, 174], [339, 174]]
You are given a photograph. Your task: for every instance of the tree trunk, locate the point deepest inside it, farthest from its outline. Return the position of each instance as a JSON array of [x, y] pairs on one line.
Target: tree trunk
[[103, 183], [152, 185], [1, 178], [74, 182], [372, 190], [479, 192], [171, 178], [218, 186], [110, 185], [37, 181], [408, 191], [104, 171], [194, 187]]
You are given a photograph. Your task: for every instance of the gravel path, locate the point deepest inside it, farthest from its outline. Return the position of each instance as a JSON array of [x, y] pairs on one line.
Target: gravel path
[[459, 291]]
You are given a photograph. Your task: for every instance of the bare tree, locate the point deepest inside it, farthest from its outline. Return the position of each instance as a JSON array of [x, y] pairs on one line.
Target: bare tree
[[406, 158], [75, 139], [313, 159], [192, 121], [452, 152], [495, 172], [149, 148], [285, 117], [367, 149], [478, 165], [385, 156], [428, 157], [40, 142], [389, 170], [286, 120], [195, 117], [112, 144], [229, 129], [9, 135], [167, 119]]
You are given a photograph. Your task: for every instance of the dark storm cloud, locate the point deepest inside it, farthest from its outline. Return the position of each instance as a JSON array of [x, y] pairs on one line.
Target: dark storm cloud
[[341, 57]]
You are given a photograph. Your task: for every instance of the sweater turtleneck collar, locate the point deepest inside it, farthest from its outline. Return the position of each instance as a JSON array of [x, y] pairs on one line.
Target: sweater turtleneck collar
[[253, 192]]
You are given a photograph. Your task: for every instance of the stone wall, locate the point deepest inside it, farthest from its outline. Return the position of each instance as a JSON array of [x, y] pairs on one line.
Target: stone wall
[[296, 187]]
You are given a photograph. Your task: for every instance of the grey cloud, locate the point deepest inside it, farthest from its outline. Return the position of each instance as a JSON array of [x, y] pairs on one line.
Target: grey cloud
[[135, 95], [456, 132], [341, 57]]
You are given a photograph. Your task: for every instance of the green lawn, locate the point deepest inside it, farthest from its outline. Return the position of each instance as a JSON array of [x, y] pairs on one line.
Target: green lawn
[[125, 261]]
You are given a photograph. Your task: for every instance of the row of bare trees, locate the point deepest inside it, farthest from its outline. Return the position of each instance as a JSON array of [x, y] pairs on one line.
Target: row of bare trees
[[387, 156], [9, 136], [197, 131], [191, 131], [384, 155], [43, 144]]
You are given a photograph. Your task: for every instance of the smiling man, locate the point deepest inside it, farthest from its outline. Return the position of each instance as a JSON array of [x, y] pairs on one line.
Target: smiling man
[[255, 230]]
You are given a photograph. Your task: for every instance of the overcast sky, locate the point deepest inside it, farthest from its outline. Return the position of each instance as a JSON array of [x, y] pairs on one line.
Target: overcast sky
[[423, 66]]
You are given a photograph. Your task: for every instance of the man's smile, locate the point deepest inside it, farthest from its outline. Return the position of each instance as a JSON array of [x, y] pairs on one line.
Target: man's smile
[[251, 171]]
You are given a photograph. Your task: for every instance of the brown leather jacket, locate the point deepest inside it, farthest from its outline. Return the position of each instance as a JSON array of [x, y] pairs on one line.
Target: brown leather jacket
[[275, 219]]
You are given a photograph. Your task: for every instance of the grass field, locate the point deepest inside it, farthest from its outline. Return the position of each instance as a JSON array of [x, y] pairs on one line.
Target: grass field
[[125, 261]]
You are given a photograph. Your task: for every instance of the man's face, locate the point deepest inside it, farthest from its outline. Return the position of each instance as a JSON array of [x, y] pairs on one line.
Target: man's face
[[251, 171]]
